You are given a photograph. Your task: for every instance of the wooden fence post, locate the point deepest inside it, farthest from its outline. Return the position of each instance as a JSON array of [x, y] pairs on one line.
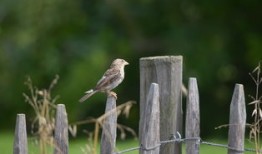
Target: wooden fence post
[[166, 71], [61, 130], [150, 128], [237, 121], [20, 141], [192, 117], [108, 139]]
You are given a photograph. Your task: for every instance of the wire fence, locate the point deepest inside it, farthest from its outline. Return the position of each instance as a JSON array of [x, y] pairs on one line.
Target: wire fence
[[178, 139]]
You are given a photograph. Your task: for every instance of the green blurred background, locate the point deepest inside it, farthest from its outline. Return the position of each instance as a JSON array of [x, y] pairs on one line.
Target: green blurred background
[[221, 42]]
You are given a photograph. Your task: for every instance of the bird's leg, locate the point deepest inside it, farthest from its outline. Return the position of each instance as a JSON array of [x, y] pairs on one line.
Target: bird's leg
[[111, 93]]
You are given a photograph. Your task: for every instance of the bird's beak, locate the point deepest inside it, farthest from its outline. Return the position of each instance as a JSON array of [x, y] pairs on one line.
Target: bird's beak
[[126, 63]]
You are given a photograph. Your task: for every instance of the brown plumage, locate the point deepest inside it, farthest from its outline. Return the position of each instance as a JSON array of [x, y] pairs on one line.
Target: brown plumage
[[111, 79]]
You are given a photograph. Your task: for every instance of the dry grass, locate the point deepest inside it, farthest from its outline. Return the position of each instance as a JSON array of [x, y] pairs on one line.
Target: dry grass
[[255, 127], [44, 107], [93, 141], [43, 125]]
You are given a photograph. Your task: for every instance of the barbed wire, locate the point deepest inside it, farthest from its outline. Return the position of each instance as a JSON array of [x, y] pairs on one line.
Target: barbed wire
[[178, 139]]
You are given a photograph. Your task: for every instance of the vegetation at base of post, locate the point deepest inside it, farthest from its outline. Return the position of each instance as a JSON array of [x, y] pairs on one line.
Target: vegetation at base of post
[[255, 126], [93, 136], [44, 106], [43, 125]]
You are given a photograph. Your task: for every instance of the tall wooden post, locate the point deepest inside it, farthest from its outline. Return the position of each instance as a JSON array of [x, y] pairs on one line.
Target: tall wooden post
[[166, 71], [237, 121], [108, 139], [20, 141], [61, 130], [150, 127], [192, 117]]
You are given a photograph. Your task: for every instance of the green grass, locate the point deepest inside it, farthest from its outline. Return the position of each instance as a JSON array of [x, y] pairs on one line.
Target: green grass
[[6, 145], [6, 142]]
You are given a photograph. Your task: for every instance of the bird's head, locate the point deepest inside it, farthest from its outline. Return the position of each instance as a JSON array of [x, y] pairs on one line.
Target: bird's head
[[119, 62]]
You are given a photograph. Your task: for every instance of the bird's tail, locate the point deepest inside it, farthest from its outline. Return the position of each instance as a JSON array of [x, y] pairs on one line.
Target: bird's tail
[[88, 94]]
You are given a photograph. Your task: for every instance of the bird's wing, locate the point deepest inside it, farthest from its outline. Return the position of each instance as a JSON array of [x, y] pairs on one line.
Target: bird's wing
[[109, 76]]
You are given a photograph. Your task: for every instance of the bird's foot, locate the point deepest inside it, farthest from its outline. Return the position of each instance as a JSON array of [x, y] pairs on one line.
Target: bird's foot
[[111, 93]]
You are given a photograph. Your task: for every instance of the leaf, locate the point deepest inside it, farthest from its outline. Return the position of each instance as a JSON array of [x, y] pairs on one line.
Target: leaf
[[127, 110], [260, 113], [254, 102], [73, 130], [256, 69], [252, 77], [254, 112], [252, 97]]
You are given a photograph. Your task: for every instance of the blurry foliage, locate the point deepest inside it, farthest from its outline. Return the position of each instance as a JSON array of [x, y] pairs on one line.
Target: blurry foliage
[[220, 41]]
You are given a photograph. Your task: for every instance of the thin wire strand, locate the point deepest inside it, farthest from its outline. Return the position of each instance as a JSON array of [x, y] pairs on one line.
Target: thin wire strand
[[198, 140]]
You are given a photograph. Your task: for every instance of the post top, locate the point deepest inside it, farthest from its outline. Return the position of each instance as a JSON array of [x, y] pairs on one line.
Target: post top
[[178, 57]]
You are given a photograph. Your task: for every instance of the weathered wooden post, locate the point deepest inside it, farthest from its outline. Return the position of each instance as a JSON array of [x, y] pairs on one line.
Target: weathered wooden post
[[237, 121], [20, 141], [192, 117], [61, 130], [150, 128], [108, 139], [166, 71]]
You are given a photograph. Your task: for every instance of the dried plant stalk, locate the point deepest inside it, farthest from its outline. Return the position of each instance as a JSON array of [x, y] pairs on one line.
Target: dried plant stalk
[[255, 127], [44, 107], [98, 122]]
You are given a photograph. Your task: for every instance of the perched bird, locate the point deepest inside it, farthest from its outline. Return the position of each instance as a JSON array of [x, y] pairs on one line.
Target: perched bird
[[111, 79]]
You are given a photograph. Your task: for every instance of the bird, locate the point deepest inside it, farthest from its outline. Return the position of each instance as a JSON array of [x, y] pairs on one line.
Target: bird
[[110, 79]]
